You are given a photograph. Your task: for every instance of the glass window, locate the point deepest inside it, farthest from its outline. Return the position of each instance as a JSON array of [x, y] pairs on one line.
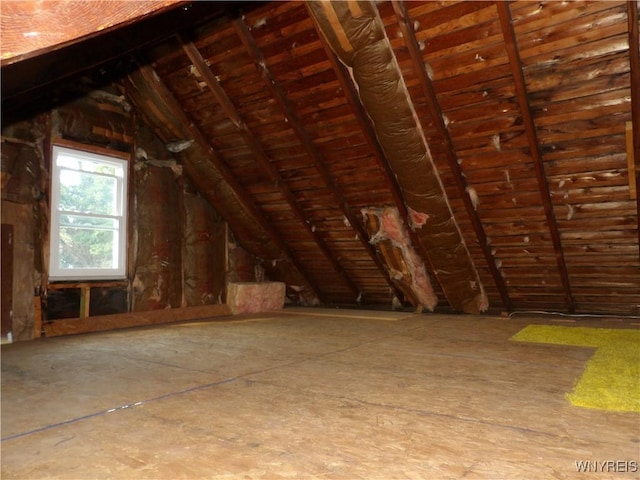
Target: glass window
[[88, 216]]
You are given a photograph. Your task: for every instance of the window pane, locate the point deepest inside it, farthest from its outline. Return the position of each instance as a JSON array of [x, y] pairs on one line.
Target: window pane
[[74, 162], [91, 222], [88, 193], [98, 167], [88, 248], [88, 215]]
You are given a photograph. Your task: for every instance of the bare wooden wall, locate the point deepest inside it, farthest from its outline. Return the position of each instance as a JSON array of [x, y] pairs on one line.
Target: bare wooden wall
[[21, 170], [177, 244]]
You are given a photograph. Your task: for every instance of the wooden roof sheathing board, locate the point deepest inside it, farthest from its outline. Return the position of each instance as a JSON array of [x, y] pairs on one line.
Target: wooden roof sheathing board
[[524, 108]]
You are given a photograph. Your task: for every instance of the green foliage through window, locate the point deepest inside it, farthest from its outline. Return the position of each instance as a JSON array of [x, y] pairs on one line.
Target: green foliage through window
[[89, 219]]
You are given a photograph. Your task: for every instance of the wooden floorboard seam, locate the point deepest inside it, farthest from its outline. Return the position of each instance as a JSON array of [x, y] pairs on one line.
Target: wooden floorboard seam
[[198, 387]]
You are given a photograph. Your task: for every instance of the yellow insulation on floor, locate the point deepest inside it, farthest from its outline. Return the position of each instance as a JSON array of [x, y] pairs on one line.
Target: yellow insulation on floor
[[611, 380]]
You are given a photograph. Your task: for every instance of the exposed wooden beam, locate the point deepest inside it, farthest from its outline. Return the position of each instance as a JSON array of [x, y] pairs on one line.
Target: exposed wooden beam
[[634, 63], [187, 128], [269, 168], [532, 137], [313, 152], [406, 27]]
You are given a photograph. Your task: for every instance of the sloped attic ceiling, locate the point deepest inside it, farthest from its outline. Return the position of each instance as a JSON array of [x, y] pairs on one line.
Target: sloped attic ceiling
[[524, 111]]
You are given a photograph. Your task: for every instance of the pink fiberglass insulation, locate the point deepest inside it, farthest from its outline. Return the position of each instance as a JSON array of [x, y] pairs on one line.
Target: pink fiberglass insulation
[[255, 297], [204, 251], [417, 219], [157, 282], [393, 229]]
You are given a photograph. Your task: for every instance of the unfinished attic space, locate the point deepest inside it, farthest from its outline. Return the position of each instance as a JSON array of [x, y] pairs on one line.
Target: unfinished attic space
[[323, 239]]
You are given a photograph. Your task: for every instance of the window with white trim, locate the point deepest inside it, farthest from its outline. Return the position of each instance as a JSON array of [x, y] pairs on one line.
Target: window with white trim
[[88, 236]]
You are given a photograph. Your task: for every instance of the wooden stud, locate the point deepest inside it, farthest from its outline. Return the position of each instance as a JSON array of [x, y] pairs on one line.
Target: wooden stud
[[6, 275], [44, 206], [634, 64], [271, 171], [186, 128], [313, 152], [37, 316], [132, 221], [183, 240], [405, 24], [633, 192], [521, 93], [85, 301]]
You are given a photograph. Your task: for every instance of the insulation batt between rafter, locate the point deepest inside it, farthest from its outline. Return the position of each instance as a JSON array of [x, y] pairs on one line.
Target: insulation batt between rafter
[[417, 219], [393, 229]]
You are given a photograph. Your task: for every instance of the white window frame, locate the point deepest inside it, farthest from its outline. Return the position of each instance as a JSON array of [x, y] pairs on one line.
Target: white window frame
[[56, 273]]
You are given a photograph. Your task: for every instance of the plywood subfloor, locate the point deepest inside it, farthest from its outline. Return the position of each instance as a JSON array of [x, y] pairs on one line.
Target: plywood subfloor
[[324, 394]]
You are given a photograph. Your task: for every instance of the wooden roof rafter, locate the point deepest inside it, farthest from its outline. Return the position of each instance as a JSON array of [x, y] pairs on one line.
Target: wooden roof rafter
[[313, 152], [515, 63], [268, 167], [152, 78], [633, 18], [406, 26]]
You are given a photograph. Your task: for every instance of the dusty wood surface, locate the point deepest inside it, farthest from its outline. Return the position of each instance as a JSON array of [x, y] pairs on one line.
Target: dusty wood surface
[[338, 394], [63, 285], [520, 86], [6, 268], [30, 28], [37, 320], [73, 326], [19, 215]]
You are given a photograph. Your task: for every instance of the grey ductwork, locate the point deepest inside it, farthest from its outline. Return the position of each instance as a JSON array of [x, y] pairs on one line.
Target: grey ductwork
[[356, 34]]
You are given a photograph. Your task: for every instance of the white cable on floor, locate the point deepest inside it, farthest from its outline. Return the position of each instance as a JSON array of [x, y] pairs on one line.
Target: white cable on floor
[[573, 315]]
